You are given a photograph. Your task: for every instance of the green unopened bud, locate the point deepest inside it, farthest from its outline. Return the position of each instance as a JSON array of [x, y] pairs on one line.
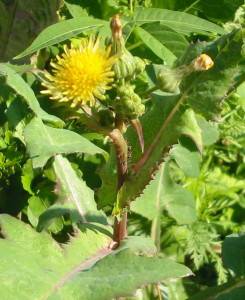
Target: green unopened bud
[[168, 80], [124, 68], [128, 104], [126, 65], [139, 65]]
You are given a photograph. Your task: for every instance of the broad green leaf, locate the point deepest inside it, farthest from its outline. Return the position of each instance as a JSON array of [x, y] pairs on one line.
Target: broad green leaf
[[170, 116], [60, 32], [21, 21], [44, 142], [139, 245], [171, 39], [135, 271], [188, 161], [179, 202], [210, 132], [162, 193], [179, 21], [156, 46], [41, 269], [18, 84]]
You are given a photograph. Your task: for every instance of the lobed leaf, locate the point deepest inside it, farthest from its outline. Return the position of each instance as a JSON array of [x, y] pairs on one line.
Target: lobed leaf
[[170, 116]]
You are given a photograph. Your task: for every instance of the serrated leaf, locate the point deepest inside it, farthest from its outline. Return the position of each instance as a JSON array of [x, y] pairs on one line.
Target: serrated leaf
[[163, 193], [135, 271], [171, 116], [60, 32], [209, 89], [161, 131], [156, 46], [41, 269], [179, 21], [52, 141], [21, 21], [18, 84]]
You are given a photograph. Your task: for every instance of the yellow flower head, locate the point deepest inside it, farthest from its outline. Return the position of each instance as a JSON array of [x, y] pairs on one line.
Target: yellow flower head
[[81, 74]]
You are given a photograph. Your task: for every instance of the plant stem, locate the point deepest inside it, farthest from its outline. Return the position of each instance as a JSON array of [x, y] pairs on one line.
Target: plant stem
[[120, 228], [121, 147]]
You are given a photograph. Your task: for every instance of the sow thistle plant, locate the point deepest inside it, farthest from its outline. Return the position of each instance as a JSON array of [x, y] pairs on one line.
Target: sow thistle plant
[[83, 74], [145, 111]]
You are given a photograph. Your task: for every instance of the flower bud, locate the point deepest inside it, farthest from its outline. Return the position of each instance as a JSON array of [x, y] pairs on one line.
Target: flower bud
[[202, 63], [128, 104], [168, 80]]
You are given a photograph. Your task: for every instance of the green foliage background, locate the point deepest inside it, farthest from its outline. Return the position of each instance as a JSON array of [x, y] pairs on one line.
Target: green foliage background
[[59, 178]]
